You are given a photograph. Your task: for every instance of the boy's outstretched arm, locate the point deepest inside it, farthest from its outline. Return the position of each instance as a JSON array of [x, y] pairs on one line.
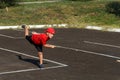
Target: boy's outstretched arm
[[33, 32], [49, 46]]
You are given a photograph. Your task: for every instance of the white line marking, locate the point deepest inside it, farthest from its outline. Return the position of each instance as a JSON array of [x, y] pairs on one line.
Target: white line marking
[[16, 52], [85, 51], [55, 62], [109, 45], [7, 36], [11, 37], [28, 70]]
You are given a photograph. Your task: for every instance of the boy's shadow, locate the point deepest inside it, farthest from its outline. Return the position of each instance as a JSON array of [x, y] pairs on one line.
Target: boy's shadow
[[33, 61]]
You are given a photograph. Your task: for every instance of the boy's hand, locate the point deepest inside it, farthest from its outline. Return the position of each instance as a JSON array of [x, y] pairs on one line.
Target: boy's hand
[[49, 46], [53, 46], [33, 32]]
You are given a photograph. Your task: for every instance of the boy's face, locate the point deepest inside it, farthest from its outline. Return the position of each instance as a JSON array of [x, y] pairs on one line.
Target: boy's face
[[50, 35]]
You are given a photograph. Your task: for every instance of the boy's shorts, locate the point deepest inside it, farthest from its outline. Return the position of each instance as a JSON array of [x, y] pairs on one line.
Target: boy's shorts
[[38, 47]]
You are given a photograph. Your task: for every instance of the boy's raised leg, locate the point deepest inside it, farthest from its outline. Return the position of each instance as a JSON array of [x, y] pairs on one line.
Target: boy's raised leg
[[26, 30]]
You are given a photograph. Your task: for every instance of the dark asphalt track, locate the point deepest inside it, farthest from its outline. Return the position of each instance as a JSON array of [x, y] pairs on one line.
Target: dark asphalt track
[[81, 65]]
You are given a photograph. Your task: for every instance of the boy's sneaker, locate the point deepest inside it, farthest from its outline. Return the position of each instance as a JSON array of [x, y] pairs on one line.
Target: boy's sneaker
[[41, 66], [25, 26]]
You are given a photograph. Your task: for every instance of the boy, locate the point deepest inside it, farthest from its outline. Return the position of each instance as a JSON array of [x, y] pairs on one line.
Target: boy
[[39, 40]]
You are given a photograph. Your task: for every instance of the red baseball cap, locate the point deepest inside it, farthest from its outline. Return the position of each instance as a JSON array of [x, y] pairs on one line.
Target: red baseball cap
[[50, 30]]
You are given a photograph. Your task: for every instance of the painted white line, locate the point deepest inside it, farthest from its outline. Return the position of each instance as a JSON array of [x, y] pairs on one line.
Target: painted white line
[[18, 71], [7, 36], [16, 52], [90, 52], [28, 70], [109, 45], [11, 37], [53, 67], [55, 62]]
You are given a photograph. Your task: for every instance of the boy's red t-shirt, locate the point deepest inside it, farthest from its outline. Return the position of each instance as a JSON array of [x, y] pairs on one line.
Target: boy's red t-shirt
[[40, 38]]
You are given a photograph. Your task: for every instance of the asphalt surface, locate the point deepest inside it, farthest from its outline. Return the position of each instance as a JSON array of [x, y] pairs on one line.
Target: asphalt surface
[[84, 55]]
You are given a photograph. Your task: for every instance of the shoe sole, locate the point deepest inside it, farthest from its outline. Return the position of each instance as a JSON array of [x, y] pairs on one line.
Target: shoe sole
[[23, 26]]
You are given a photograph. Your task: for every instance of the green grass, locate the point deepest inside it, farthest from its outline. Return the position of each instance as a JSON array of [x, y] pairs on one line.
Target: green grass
[[76, 14], [31, 0]]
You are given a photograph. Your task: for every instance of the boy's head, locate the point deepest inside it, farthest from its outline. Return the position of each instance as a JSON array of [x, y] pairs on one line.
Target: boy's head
[[50, 32]]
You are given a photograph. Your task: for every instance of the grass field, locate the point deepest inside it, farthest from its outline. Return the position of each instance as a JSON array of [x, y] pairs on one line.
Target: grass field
[[77, 14], [33, 0]]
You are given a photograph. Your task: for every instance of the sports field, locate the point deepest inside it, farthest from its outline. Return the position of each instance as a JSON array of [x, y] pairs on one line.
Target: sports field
[[82, 55]]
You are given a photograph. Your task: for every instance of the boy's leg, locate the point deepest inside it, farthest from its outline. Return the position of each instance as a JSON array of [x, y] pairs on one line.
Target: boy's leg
[[26, 30], [40, 54]]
